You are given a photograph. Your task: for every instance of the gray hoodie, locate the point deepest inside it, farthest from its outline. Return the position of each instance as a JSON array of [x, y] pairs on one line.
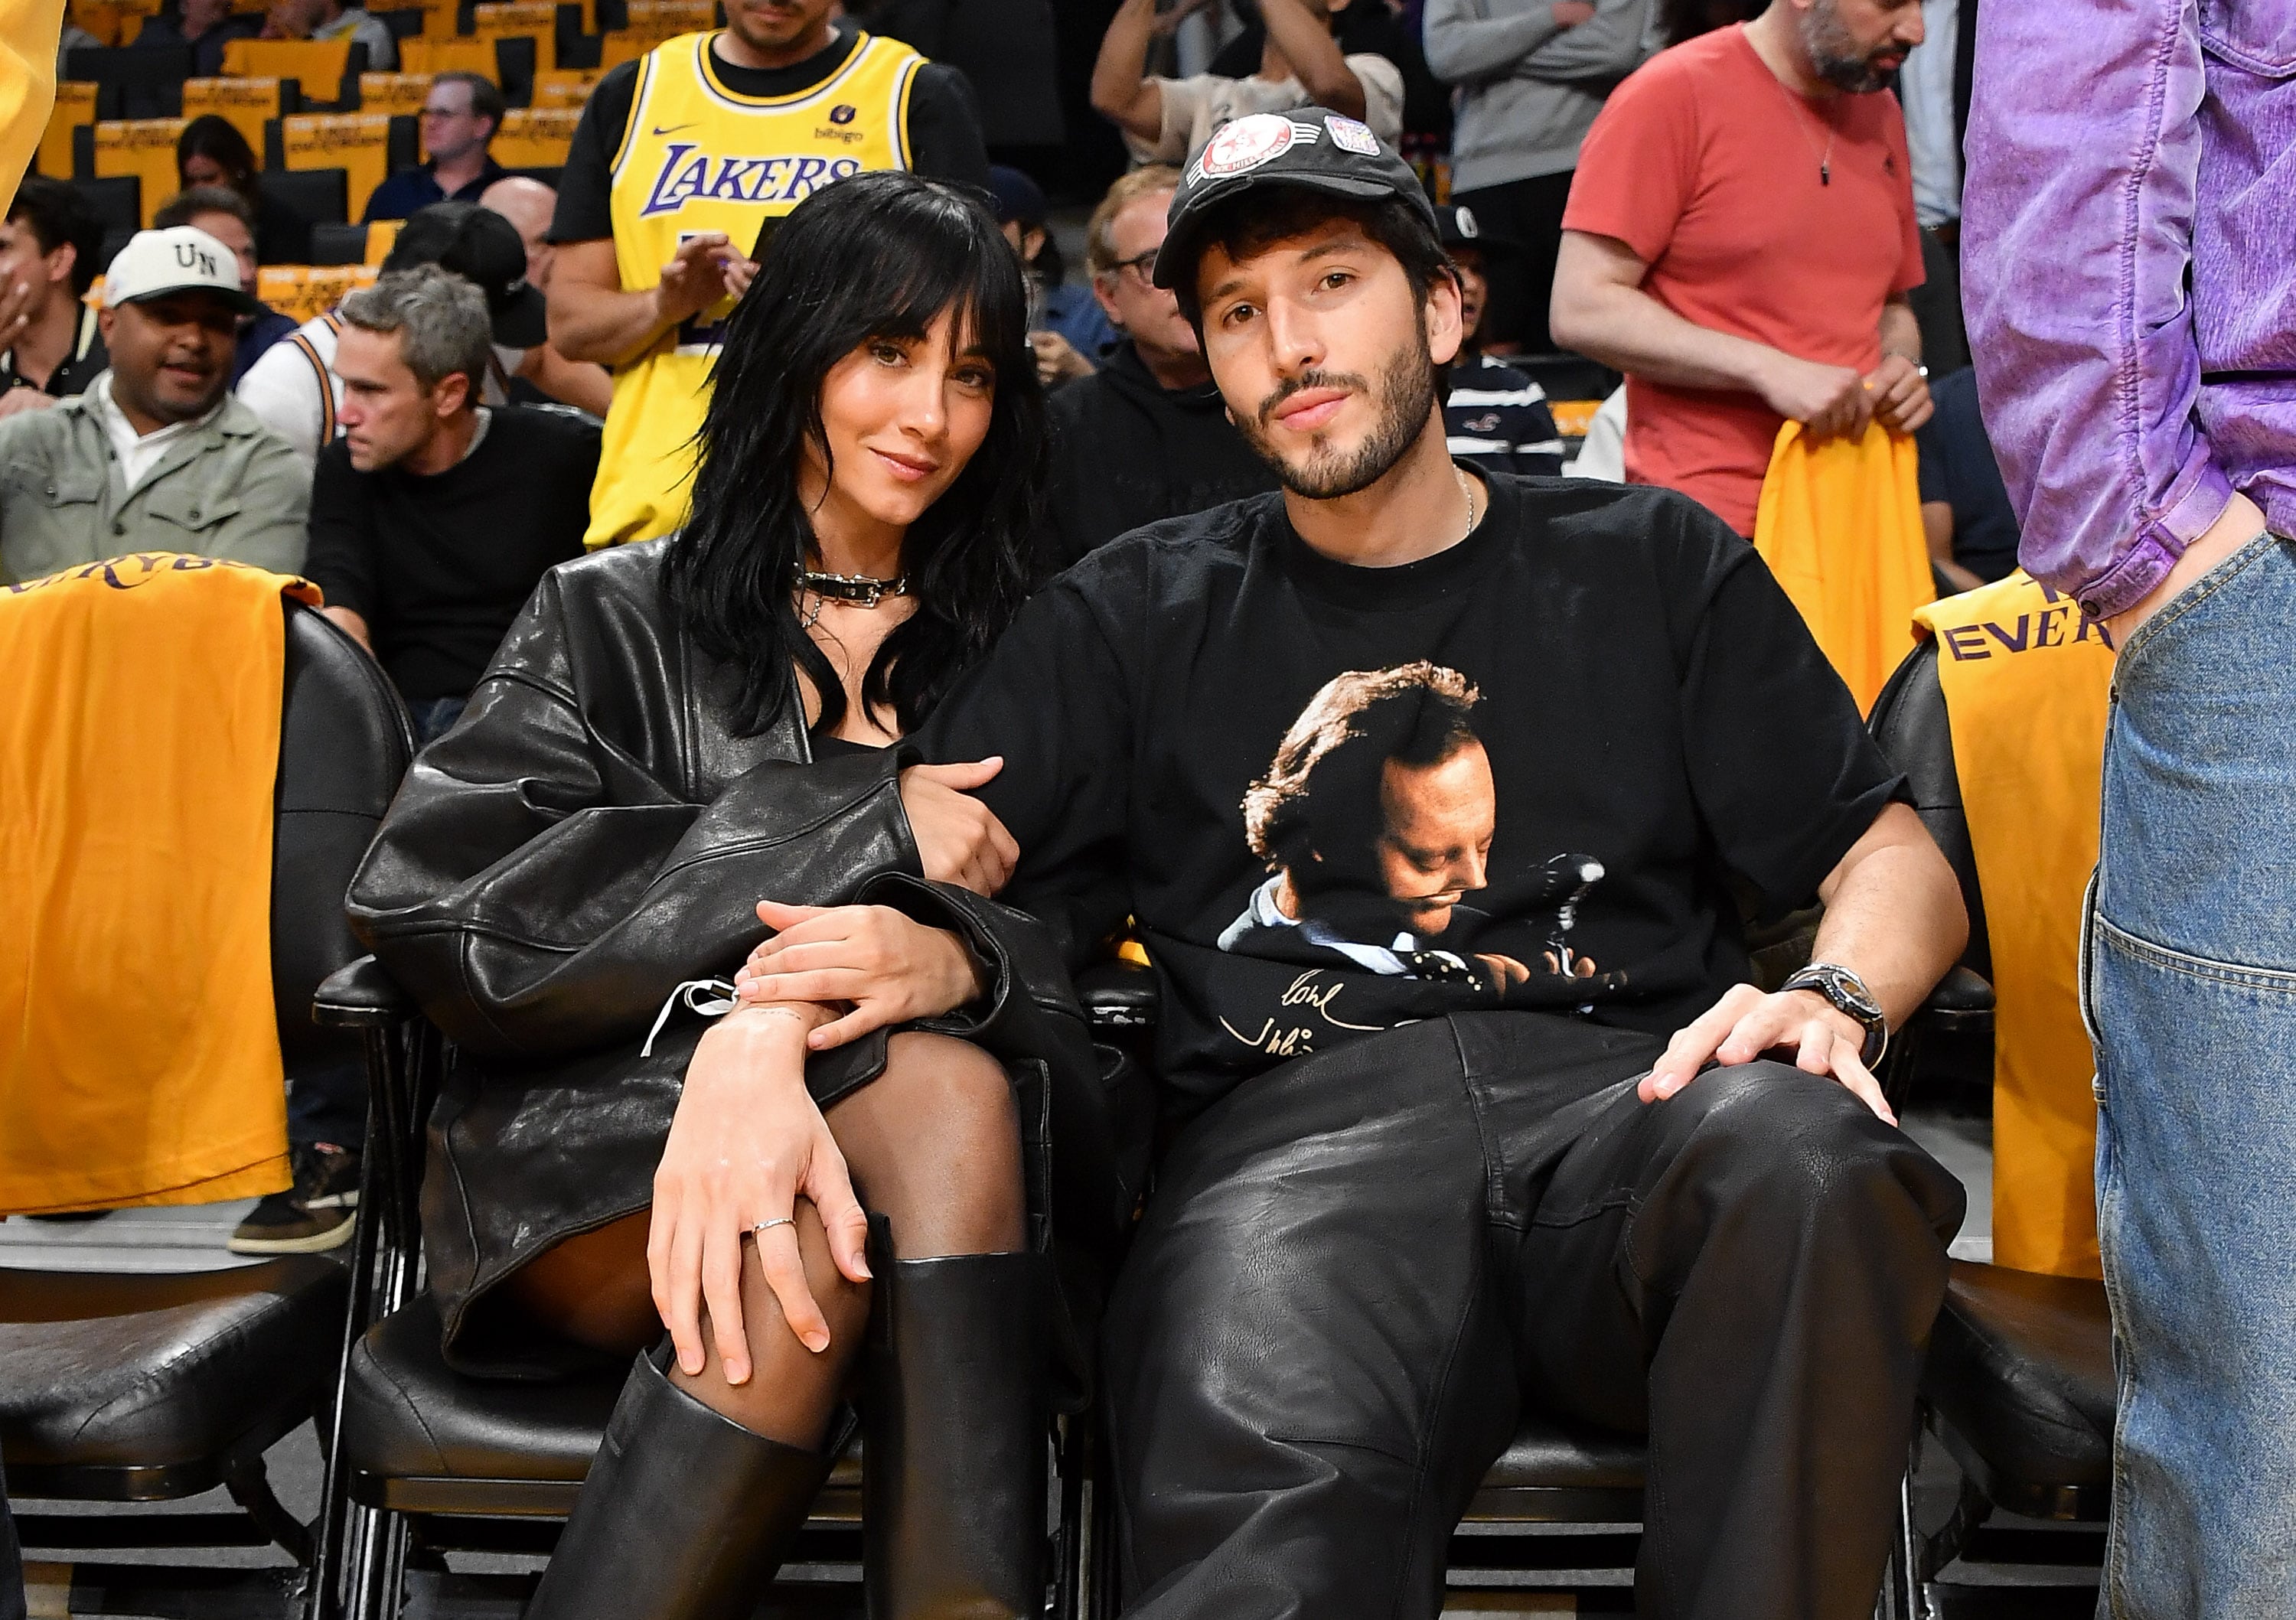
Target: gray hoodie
[[1528, 88]]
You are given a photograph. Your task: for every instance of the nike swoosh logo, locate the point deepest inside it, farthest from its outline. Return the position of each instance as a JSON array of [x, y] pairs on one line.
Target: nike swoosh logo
[[672, 129]]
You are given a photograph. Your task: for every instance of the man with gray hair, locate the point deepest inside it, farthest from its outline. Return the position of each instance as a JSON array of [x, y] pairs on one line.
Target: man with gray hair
[[433, 516]]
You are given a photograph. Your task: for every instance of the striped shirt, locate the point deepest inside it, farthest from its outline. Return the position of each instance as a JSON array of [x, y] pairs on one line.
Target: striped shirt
[[1496, 418]]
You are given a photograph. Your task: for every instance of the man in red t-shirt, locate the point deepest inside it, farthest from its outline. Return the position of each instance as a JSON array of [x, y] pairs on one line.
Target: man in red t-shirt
[[1740, 239]]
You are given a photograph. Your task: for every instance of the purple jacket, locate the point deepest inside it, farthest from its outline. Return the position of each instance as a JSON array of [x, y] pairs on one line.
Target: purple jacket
[[2115, 148]]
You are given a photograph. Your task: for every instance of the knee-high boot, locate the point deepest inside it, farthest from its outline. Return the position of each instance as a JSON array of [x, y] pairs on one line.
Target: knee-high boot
[[685, 1515], [958, 1406]]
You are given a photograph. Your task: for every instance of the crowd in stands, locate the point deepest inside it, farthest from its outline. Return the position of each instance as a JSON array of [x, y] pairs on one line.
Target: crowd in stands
[[1668, 240]]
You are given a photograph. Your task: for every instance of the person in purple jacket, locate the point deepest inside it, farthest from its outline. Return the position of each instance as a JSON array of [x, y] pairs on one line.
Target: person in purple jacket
[[2131, 299]]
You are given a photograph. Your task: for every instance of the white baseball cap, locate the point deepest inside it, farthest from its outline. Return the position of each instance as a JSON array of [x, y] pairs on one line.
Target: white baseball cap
[[181, 258]]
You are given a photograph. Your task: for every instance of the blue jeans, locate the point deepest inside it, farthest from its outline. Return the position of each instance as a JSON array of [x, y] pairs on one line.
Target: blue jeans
[[2191, 984]]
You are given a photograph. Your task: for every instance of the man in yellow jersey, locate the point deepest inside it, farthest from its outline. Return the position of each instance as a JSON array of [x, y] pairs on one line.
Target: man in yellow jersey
[[681, 159]]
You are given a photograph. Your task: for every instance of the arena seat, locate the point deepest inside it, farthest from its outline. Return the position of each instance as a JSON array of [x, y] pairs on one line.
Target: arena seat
[[148, 79], [2019, 1386], [149, 1387]]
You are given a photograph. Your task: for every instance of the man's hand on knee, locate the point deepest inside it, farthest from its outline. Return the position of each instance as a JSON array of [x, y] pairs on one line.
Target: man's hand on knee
[[1746, 1024]]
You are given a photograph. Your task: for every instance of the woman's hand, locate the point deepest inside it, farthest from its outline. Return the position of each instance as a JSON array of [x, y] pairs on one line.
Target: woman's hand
[[959, 840], [885, 966], [746, 1143]]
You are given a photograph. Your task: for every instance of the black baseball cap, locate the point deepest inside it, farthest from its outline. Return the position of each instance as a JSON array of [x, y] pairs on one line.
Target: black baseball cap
[[1312, 148], [484, 248], [1456, 226]]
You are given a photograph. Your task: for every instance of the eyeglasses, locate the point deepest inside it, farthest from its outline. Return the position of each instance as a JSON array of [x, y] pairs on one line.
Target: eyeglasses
[[1141, 265], [442, 112]]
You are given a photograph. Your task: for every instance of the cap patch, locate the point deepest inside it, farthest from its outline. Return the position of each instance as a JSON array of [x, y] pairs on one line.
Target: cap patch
[[1242, 146], [1464, 219], [1351, 134]]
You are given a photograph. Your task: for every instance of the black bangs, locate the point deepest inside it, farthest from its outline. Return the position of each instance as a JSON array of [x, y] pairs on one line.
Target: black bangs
[[876, 256]]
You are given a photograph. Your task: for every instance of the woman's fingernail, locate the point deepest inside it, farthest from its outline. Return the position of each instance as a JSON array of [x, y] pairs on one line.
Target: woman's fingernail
[[816, 1342], [690, 1365]]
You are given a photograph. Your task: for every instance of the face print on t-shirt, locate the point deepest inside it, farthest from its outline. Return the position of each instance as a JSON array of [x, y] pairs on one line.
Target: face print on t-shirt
[[1377, 820]]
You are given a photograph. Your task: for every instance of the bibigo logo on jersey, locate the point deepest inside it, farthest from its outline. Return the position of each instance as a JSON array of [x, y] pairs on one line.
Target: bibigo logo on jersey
[[690, 175]]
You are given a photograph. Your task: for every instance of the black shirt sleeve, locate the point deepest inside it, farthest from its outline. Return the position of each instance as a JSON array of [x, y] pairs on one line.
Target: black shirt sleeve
[[1781, 767], [342, 559], [585, 185], [944, 139]]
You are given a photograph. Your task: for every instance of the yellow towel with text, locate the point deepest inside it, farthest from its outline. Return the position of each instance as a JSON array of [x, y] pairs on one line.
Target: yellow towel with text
[[1839, 523], [139, 744]]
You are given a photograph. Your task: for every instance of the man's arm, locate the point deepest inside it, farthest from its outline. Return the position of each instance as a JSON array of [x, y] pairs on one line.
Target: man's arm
[[1122, 93], [1462, 45], [1609, 46], [1304, 35], [580, 383], [2076, 215], [1893, 917], [593, 317]]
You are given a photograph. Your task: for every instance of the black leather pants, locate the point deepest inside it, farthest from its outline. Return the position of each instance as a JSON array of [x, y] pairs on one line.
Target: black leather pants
[[1356, 1266]]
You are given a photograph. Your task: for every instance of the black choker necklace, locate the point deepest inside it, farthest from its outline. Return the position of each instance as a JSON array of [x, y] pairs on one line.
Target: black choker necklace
[[858, 588]]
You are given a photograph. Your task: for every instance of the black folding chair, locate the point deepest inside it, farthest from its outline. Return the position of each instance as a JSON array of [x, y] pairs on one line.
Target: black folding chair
[[141, 1387], [2019, 1385], [149, 79]]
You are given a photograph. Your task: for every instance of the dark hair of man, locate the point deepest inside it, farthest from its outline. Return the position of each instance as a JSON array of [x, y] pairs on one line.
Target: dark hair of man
[[186, 206], [1252, 221], [1320, 794], [57, 215], [880, 255], [212, 135], [486, 96]]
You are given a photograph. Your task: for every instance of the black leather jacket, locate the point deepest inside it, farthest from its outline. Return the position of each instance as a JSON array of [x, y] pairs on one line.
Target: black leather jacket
[[589, 838]]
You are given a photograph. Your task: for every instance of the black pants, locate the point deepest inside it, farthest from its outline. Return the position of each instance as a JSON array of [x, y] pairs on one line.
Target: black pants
[[1356, 1266], [1529, 213], [1936, 303], [12, 1565]]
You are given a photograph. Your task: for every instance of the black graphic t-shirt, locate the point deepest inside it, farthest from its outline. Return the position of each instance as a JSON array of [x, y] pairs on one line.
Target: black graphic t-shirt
[[1551, 767]]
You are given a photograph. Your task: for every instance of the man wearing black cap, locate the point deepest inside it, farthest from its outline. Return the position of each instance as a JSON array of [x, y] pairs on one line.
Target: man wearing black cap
[[1411, 1191], [293, 388], [1495, 416]]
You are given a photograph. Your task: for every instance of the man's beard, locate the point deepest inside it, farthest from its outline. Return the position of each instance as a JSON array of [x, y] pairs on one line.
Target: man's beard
[[1405, 399], [1835, 55]]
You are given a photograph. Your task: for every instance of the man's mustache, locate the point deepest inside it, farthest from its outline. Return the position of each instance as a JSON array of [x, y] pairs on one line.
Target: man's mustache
[[1301, 384]]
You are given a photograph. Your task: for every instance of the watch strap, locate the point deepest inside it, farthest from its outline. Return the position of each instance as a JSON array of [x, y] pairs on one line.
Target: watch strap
[[1844, 991]]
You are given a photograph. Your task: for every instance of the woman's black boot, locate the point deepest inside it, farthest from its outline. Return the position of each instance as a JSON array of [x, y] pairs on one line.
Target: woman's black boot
[[956, 1413], [685, 1515]]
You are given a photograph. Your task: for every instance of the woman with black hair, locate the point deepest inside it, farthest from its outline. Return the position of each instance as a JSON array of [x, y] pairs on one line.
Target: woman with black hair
[[679, 740], [211, 152]]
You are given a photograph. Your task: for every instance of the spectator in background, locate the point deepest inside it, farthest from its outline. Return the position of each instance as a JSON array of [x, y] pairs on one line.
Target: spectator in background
[[1363, 27], [156, 455], [332, 19], [1965, 510], [1495, 416], [207, 26], [650, 257], [1933, 88], [1531, 76], [48, 250], [1679, 21], [1147, 436], [294, 388], [433, 516], [211, 152], [545, 376], [1067, 327], [222, 214], [1740, 240], [460, 117], [1165, 119]]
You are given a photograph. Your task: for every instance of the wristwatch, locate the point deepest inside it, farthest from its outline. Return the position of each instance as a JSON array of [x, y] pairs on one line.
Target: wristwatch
[[1851, 997]]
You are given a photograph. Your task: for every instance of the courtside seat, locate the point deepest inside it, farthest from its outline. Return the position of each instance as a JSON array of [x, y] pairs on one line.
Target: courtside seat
[[1562, 1473]]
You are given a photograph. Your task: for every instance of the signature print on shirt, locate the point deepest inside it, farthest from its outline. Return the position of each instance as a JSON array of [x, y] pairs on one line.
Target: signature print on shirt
[[1376, 819]]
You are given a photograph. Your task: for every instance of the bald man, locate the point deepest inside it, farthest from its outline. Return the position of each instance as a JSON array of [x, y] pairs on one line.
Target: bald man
[[529, 204]]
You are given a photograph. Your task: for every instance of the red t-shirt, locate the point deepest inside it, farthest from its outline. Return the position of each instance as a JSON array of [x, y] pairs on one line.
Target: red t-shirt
[[1707, 168]]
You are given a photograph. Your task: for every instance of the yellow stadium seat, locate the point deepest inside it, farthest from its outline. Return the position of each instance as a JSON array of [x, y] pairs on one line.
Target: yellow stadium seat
[[668, 19], [107, 19], [306, 292], [536, 137], [319, 64], [535, 19], [566, 87], [428, 55], [401, 95], [381, 235], [441, 19], [145, 148], [75, 106], [243, 104], [357, 142]]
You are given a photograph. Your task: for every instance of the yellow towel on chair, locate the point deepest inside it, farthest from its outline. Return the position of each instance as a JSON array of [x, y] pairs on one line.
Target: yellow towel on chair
[[1839, 523], [139, 742], [2027, 684]]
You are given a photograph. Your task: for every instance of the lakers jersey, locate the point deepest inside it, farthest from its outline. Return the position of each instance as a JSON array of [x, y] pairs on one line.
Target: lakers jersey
[[698, 157]]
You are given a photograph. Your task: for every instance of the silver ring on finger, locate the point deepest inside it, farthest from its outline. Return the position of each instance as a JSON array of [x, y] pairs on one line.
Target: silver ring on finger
[[763, 1227]]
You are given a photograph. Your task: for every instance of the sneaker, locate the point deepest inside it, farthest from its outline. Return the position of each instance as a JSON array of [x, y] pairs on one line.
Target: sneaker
[[318, 1213]]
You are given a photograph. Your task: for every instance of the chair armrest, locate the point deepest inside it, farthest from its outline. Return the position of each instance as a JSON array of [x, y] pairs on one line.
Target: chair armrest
[[361, 997], [1963, 1002], [1119, 994]]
